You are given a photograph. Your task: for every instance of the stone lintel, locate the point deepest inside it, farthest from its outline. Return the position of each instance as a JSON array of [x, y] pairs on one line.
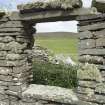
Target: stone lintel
[[52, 15]]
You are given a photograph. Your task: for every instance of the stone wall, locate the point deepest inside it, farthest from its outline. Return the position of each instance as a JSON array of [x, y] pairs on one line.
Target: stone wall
[[92, 50], [16, 42]]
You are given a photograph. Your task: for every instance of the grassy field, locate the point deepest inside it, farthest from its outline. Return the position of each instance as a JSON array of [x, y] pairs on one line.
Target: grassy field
[[64, 44]]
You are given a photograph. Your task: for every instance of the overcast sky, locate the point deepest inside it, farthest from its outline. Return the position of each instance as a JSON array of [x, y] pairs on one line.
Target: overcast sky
[[68, 26]]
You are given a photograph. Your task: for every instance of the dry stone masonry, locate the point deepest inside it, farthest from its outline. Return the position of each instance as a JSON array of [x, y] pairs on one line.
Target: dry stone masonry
[[16, 42], [92, 50]]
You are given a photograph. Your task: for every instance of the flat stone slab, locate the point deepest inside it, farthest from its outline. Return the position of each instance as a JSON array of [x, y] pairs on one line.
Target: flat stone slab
[[99, 4], [52, 15], [41, 5], [50, 93]]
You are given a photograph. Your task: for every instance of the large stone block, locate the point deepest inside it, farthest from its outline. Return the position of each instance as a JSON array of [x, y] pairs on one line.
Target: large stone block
[[49, 5], [50, 93], [12, 24], [89, 72], [91, 59], [100, 42], [99, 34], [92, 27], [87, 43], [85, 35], [95, 52]]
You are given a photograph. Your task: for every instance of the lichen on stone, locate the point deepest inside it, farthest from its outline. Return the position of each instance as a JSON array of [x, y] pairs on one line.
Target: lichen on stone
[[89, 72], [52, 4], [100, 88]]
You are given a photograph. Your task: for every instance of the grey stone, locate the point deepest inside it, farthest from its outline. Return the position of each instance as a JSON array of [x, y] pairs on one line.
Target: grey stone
[[22, 69], [92, 27], [10, 34], [16, 47], [13, 57], [86, 103], [5, 70], [86, 91], [18, 88], [85, 35], [12, 24], [57, 15], [50, 93], [5, 78], [87, 84], [4, 102], [92, 52], [100, 42], [100, 88], [11, 30], [55, 4], [91, 59], [99, 34], [5, 63], [87, 43]]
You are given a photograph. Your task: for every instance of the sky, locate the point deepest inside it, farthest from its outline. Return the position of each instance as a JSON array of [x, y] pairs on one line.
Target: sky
[[67, 26]]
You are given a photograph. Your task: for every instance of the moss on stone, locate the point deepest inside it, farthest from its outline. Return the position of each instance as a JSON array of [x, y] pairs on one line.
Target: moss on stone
[[89, 72]]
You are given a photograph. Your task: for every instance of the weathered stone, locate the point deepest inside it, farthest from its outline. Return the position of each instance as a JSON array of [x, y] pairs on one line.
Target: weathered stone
[[94, 51], [5, 78], [89, 72], [50, 16], [22, 69], [93, 27], [18, 88], [11, 30], [87, 43], [5, 70], [3, 47], [16, 47], [55, 4], [91, 59], [12, 24], [87, 84], [5, 102], [100, 42], [99, 34], [86, 91], [86, 103], [100, 88], [10, 34], [6, 63], [50, 93], [15, 56], [85, 35]]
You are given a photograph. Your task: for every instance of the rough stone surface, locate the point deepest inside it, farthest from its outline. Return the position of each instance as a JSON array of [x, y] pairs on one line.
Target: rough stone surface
[[51, 4], [50, 93]]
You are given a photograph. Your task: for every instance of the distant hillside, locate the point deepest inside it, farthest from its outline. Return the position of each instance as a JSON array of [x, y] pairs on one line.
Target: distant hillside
[[57, 34]]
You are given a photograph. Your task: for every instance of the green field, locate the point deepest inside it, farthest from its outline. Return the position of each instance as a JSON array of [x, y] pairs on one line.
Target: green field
[[66, 45]]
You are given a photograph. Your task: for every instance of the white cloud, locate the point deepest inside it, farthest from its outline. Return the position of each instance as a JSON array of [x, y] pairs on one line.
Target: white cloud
[[69, 26]]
